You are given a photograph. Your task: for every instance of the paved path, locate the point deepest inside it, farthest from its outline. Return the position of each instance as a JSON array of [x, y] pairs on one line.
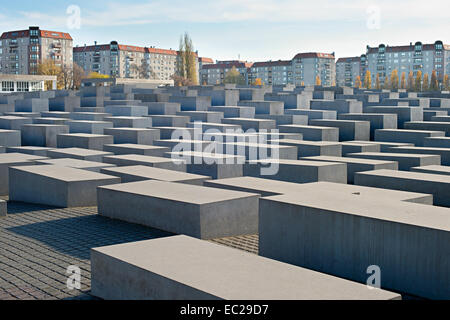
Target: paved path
[[39, 243]]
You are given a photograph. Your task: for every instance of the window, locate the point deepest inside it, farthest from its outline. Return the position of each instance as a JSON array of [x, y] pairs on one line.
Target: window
[[22, 86], [7, 86]]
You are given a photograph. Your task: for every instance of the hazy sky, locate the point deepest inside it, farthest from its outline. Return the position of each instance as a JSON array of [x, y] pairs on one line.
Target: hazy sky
[[255, 30]]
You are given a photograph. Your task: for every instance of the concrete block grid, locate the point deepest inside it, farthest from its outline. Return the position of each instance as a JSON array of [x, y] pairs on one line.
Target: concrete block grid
[[111, 147]]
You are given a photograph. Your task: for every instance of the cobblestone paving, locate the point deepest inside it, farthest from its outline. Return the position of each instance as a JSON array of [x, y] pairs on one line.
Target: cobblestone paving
[[39, 243]]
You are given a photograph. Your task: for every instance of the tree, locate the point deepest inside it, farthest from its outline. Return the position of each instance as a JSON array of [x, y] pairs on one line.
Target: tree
[[257, 82], [234, 76], [49, 68], [368, 80], [377, 82], [96, 75], [425, 83], [386, 84], [78, 76], [358, 83], [318, 81], [403, 81], [434, 84], [446, 83], [394, 79], [186, 72], [418, 82], [411, 81]]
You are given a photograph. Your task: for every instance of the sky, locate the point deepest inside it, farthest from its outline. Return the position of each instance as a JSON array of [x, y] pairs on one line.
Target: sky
[[251, 30]]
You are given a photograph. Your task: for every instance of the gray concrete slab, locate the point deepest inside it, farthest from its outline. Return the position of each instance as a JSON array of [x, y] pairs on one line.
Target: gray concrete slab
[[210, 272], [444, 153], [75, 163], [377, 120], [3, 208], [56, 186], [141, 173], [312, 133], [344, 236], [156, 162], [42, 135], [84, 141], [35, 151], [145, 150], [10, 138], [130, 122], [298, 171], [249, 123], [415, 137], [201, 212], [133, 135], [405, 160], [217, 166], [429, 125], [13, 122], [313, 148], [358, 147], [234, 111], [13, 159], [436, 184], [78, 153], [348, 129], [355, 165], [445, 170], [268, 187]]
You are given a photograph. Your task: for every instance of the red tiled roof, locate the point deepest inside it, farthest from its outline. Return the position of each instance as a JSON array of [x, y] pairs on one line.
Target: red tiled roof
[[205, 60], [314, 55], [349, 59], [43, 34], [55, 35], [425, 47], [229, 64], [123, 47], [271, 63]]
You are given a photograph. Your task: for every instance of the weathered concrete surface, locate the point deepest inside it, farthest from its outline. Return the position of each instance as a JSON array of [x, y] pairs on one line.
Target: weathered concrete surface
[[184, 268], [84, 141], [10, 138], [355, 165], [405, 160], [78, 153], [343, 236], [197, 211], [141, 173], [42, 135], [141, 149], [56, 186], [13, 159], [436, 184], [77, 164], [268, 187], [156, 162], [433, 169], [3, 208], [298, 171]]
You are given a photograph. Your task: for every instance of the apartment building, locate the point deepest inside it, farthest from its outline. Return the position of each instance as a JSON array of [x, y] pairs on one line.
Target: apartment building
[[347, 70], [126, 61], [302, 70], [271, 72], [21, 51], [307, 66], [215, 73], [382, 60]]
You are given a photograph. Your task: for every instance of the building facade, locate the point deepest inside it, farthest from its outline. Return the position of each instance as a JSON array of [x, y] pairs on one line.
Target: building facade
[[126, 61], [347, 70], [22, 51], [382, 60], [271, 72], [211, 74], [307, 66], [302, 70]]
